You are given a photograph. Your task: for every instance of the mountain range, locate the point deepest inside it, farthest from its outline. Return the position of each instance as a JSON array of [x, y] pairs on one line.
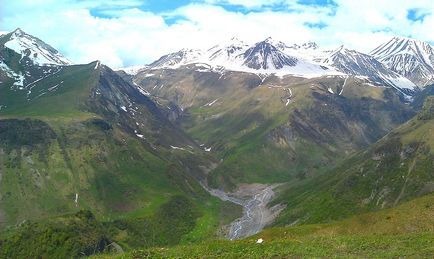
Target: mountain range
[[202, 143], [386, 65]]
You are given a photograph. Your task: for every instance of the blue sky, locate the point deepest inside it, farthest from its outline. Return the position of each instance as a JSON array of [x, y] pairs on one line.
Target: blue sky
[[135, 32]]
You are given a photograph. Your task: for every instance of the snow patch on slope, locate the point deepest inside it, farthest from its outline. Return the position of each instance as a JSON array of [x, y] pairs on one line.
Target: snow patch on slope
[[18, 78]]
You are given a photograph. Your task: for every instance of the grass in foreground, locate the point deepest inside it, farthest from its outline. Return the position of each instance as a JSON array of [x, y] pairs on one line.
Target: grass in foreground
[[374, 246]]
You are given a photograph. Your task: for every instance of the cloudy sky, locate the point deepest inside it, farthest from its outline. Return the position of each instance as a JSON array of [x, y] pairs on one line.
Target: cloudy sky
[[134, 32]]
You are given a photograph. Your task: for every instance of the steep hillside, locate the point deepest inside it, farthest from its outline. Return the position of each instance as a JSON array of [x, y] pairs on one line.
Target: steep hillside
[[273, 129], [80, 137], [97, 141], [397, 168]]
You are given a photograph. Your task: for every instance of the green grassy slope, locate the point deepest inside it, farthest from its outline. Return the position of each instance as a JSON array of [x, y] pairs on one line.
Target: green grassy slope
[[73, 83], [397, 168], [109, 175]]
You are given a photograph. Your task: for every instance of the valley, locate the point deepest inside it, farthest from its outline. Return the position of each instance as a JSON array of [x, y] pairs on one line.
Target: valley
[[295, 125], [302, 148]]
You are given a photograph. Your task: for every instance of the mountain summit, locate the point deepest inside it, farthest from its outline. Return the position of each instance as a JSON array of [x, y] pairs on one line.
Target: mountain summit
[[33, 48], [411, 58], [25, 60], [264, 55], [352, 62]]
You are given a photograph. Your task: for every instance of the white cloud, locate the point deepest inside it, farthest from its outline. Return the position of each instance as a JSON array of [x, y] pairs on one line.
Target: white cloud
[[132, 36], [246, 3]]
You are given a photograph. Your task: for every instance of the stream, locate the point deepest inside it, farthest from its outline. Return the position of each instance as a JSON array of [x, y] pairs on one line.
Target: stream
[[256, 214]]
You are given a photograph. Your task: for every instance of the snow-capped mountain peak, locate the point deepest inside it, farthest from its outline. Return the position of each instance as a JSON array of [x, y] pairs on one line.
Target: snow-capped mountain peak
[[404, 45], [227, 51], [33, 48], [264, 55], [234, 41], [355, 63], [272, 41], [310, 45], [177, 59], [411, 58], [308, 50], [341, 49], [280, 45]]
